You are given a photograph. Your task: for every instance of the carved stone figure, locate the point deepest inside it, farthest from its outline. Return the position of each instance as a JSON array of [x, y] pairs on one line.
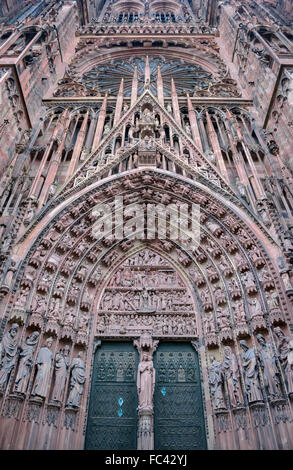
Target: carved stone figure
[[256, 308], [8, 350], [216, 381], [239, 311], [145, 304], [44, 364], [61, 369], [285, 356], [25, 364], [267, 359], [287, 281], [241, 190], [290, 367], [77, 381], [222, 318], [251, 373], [232, 377], [145, 382], [273, 301], [209, 324]]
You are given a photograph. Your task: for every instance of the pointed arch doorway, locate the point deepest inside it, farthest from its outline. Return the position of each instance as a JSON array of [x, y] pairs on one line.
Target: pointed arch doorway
[[146, 293]]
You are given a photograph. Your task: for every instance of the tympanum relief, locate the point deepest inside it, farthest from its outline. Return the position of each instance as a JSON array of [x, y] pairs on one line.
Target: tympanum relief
[[146, 294]]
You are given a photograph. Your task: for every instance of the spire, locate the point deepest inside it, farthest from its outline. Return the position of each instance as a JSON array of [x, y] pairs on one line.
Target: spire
[[160, 87], [119, 102]]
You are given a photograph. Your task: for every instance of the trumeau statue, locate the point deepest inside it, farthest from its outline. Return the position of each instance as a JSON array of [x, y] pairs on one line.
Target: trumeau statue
[[251, 373], [268, 366], [61, 369], [26, 352], [8, 350], [44, 364], [77, 381], [216, 381], [145, 382]]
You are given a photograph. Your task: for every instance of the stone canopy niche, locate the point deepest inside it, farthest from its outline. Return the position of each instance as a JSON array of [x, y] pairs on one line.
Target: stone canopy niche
[[146, 294]]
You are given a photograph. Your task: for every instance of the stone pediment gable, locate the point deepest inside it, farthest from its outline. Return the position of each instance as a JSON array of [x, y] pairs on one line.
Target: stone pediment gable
[[197, 159]]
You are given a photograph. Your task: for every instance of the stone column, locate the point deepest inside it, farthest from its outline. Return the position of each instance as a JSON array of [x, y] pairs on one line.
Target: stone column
[[44, 160], [100, 125], [160, 87], [119, 103], [193, 124], [90, 135], [238, 159], [55, 161], [78, 146], [216, 147], [175, 103], [147, 75], [134, 88], [145, 434]]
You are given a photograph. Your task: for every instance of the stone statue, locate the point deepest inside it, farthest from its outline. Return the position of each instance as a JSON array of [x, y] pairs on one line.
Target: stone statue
[[222, 318], [250, 366], [44, 364], [268, 366], [284, 354], [145, 382], [232, 377], [273, 301], [8, 350], [209, 324], [26, 353], [239, 311], [216, 381], [290, 367], [61, 369], [256, 308], [77, 381]]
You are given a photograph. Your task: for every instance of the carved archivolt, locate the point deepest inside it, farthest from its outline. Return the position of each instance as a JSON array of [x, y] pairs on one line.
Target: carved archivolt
[[73, 289]]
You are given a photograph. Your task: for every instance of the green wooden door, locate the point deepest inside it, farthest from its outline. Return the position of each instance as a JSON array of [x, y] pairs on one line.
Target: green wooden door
[[178, 407], [112, 418]]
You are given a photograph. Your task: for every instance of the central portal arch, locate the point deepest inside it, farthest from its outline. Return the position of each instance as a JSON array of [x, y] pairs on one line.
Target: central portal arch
[[146, 296]]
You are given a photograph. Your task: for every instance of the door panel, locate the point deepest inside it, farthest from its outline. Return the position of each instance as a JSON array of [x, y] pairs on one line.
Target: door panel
[[178, 408], [112, 419]]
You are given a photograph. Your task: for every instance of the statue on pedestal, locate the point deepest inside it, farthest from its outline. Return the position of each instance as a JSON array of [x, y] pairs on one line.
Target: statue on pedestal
[[251, 374], [77, 381], [26, 353], [145, 382], [61, 369], [44, 365]]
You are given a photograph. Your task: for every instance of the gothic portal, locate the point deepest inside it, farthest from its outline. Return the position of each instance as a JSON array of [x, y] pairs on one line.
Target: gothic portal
[[121, 120]]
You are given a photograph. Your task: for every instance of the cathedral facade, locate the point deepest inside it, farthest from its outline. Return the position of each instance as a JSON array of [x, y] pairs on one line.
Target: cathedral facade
[[121, 122]]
